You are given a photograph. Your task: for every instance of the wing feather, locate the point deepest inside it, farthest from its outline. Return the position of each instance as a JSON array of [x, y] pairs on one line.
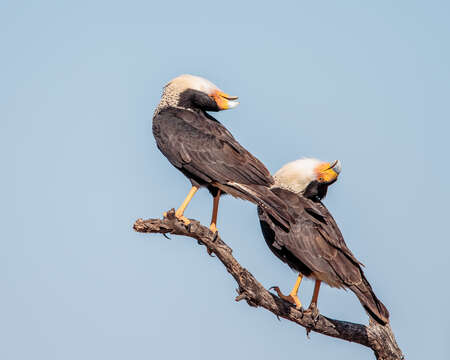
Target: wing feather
[[315, 246], [315, 240], [204, 147]]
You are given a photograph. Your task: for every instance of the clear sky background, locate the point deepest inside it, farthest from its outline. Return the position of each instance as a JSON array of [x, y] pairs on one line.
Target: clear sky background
[[366, 83]]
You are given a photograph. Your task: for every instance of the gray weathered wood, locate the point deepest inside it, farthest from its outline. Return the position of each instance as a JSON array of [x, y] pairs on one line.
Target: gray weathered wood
[[375, 336]]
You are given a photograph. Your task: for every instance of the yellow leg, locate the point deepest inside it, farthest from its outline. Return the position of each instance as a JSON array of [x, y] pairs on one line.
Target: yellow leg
[[315, 294], [213, 226], [180, 211], [292, 297]]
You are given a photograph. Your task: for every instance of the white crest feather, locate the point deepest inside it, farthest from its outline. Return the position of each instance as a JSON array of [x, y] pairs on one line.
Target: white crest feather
[[193, 82], [296, 175]]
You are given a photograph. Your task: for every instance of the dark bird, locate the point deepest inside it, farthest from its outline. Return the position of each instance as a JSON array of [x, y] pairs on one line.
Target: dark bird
[[205, 151], [314, 246]]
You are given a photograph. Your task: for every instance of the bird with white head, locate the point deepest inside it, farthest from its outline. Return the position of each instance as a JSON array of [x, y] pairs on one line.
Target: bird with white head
[[205, 151], [314, 245]]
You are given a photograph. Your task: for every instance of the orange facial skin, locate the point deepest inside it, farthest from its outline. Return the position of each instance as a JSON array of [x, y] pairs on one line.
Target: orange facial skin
[[325, 173], [222, 99]]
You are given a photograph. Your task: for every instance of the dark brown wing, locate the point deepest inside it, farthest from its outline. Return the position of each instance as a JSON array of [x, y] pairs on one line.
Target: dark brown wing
[[315, 247], [326, 225], [206, 149], [206, 152]]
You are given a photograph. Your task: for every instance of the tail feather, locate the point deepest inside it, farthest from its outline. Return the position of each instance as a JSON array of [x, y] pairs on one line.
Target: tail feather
[[370, 302], [261, 196]]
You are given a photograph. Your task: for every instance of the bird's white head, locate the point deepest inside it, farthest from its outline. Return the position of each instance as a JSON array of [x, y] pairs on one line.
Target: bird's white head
[[298, 176], [190, 91]]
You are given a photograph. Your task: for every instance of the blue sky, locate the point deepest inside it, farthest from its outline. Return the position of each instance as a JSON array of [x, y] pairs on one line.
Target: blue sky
[[366, 83]]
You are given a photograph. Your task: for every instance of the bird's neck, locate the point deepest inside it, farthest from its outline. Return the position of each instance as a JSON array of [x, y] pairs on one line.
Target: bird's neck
[[170, 99], [292, 186]]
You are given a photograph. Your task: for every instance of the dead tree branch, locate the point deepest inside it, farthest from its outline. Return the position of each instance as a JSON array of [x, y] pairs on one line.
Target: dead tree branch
[[379, 338]]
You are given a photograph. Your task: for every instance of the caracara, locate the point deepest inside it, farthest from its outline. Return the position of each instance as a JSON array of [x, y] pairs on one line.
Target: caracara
[[205, 151], [314, 246]]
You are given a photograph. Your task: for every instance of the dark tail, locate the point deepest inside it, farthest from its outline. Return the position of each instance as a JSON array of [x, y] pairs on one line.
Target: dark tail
[[261, 196], [370, 302]]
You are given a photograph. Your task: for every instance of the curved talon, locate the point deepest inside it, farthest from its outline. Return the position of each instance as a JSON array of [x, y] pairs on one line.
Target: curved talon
[[210, 252]]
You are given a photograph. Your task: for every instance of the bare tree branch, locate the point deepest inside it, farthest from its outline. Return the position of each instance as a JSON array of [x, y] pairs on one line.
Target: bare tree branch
[[375, 336]]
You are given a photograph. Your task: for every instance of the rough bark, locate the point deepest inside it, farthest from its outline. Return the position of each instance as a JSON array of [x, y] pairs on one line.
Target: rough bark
[[375, 336]]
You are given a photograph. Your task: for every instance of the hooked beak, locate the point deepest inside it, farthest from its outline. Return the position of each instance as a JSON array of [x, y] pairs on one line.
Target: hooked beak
[[328, 172], [224, 101], [336, 166]]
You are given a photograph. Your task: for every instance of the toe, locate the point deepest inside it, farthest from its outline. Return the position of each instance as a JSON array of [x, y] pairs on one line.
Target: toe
[[184, 219], [312, 307], [313, 311], [278, 291]]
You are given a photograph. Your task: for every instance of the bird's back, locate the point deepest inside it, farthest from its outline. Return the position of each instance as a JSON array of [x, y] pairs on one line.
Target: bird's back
[[314, 241], [200, 145], [315, 247]]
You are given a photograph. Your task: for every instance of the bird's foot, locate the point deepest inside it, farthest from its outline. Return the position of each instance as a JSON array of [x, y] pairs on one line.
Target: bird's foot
[[292, 298], [213, 228], [183, 219], [313, 311], [179, 216]]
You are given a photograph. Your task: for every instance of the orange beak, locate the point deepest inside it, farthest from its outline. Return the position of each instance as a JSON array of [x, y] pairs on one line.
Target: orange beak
[[328, 172], [224, 101]]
